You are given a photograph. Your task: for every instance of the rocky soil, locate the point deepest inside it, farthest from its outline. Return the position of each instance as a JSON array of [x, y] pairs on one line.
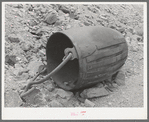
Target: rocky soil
[[27, 28]]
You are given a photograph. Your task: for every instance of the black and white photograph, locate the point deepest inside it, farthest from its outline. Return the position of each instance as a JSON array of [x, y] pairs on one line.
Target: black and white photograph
[[74, 60]]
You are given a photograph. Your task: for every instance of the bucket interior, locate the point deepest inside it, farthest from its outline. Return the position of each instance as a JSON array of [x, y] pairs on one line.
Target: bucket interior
[[69, 73]]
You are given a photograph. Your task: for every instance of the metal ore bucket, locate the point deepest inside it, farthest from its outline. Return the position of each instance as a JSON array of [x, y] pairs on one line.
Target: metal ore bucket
[[97, 54]]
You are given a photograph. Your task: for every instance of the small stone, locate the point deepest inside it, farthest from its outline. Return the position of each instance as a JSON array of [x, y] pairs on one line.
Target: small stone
[[39, 32], [48, 96], [33, 67], [51, 17], [88, 103], [82, 104], [29, 98], [32, 22], [86, 23], [18, 69], [68, 27], [50, 87], [18, 58], [63, 94], [55, 103], [103, 17], [138, 31], [111, 87], [17, 66], [94, 92], [115, 85], [128, 40], [13, 38], [26, 105], [21, 38], [34, 50], [65, 9], [12, 99], [23, 59], [43, 10], [41, 68], [137, 38], [38, 99], [73, 14], [20, 13], [64, 102], [25, 76], [43, 52], [128, 34], [113, 27], [110, 103], [134, 45], [121, 30], [17, 5], [26, 28], [57, 23], [26, 46], [22, 82], [120, 78], [11, 60], [130, 29], [99, 85]]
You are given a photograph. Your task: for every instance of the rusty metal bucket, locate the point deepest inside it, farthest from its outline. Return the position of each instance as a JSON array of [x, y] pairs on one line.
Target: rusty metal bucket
[[97, 54]]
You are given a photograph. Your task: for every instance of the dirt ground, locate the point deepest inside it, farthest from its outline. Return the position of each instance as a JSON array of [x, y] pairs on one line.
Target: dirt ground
[[27, 28]]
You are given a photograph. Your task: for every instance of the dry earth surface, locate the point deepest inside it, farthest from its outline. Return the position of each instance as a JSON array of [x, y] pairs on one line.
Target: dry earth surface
[[27, 28]]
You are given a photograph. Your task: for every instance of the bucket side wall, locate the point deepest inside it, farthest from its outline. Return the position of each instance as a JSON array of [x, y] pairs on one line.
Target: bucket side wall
[[101, 51]]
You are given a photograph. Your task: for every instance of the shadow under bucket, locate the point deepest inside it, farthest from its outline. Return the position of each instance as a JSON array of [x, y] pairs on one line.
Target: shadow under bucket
[[98, 53]]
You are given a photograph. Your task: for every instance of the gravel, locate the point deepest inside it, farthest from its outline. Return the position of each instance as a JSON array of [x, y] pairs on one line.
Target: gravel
[[26, 37]]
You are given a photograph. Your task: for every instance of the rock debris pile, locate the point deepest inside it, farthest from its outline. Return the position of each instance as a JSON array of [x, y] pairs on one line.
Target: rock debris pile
[[27, 28]]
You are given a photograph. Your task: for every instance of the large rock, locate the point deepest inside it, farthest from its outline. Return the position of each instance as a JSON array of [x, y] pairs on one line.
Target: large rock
[[63, 94], [12, 99], [94, 92]]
